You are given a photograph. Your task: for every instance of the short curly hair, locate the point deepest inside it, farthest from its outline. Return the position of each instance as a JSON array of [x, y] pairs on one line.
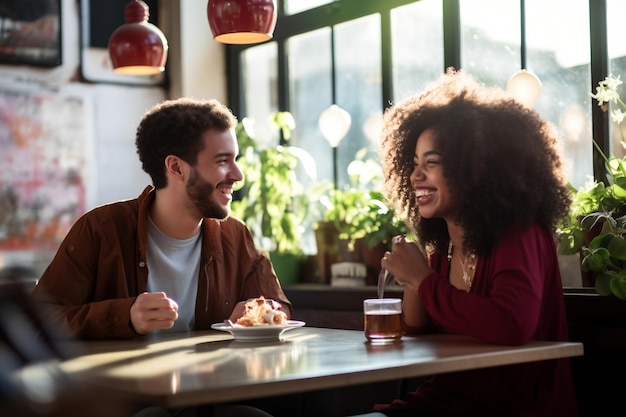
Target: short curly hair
[[176, 127], [500, 160]]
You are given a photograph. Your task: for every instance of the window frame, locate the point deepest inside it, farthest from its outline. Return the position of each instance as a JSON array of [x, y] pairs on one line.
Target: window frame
[[340, 11]]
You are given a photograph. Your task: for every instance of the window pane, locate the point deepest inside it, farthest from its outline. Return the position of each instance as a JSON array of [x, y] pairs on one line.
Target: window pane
[[359, 85], [616, 33], [357, 89], [417, 46], [297, 6], [558, 52], [259, 89], [310, 92], [490, 48]]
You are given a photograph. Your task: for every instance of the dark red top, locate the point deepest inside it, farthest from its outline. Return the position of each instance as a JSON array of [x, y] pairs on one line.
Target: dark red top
[[516, 296]]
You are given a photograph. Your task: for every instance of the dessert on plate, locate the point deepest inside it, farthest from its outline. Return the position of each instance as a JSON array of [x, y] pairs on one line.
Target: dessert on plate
[[260, 311]]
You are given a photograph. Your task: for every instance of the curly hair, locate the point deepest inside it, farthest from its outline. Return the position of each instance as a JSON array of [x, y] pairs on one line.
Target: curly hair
[[176, 127], [500, 160]]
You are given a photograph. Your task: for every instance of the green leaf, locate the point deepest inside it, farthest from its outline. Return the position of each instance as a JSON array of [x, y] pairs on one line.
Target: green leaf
[[570, 242], [603, 284], [595, 260], [601, 241], [618, 286], [617, 248], [619, 187]]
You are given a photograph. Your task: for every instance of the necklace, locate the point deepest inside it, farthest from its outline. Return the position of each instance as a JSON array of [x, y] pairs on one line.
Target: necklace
[[468, 262]]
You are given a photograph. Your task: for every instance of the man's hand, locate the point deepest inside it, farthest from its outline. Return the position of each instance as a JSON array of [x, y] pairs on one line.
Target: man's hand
[[152, 311], [238, 311]]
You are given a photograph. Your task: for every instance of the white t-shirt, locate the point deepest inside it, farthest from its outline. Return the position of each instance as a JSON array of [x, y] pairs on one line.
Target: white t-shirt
[[173, 268]]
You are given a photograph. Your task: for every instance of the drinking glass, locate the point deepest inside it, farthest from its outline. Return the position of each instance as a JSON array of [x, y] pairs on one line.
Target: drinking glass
[[383, 320]]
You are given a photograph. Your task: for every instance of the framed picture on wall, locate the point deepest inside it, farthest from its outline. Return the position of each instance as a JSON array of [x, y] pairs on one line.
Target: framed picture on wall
[[47, 164], [30, 32]]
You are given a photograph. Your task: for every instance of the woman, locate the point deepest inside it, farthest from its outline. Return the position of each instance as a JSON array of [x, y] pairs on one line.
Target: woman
[[479, 178]]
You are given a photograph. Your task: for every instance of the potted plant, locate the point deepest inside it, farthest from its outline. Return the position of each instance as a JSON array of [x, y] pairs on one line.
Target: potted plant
[[271, 200], [596, 228], [357, 225]]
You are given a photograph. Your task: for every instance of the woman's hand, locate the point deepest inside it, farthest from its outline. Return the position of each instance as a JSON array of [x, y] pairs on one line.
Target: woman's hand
[[406, 262]]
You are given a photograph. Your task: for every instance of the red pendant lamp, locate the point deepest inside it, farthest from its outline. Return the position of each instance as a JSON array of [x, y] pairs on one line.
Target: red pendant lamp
[[138, 47], [242, 21]]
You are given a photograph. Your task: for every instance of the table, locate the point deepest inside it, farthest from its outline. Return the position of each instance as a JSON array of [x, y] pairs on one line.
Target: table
[[209, 366]]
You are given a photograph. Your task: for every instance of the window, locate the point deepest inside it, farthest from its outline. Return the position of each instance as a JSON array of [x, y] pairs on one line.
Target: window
[[353, 50], [365, 54], [616, 33], [416, 46], [297, 6], [259, 88]]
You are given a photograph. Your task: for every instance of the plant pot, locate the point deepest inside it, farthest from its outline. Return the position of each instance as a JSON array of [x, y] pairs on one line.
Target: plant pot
[[588, 278], [327, 240], [287, 266]]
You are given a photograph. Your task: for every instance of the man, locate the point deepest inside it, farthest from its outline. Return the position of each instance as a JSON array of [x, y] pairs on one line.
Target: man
[[171, 259]]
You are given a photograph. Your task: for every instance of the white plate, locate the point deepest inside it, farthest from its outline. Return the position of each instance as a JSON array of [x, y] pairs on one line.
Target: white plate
[[261, 332]]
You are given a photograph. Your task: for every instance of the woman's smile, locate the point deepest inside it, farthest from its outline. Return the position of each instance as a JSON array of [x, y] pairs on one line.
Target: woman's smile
[[423, 196]]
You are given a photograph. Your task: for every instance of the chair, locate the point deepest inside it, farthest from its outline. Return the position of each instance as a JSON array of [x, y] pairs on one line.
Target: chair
[[32, 384]]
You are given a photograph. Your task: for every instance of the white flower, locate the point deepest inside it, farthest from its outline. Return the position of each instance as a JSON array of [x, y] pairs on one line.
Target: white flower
[[617, 116], [606, 91]]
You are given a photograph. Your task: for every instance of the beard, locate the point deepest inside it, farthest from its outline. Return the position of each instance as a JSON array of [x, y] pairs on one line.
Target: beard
[[200, 192]]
